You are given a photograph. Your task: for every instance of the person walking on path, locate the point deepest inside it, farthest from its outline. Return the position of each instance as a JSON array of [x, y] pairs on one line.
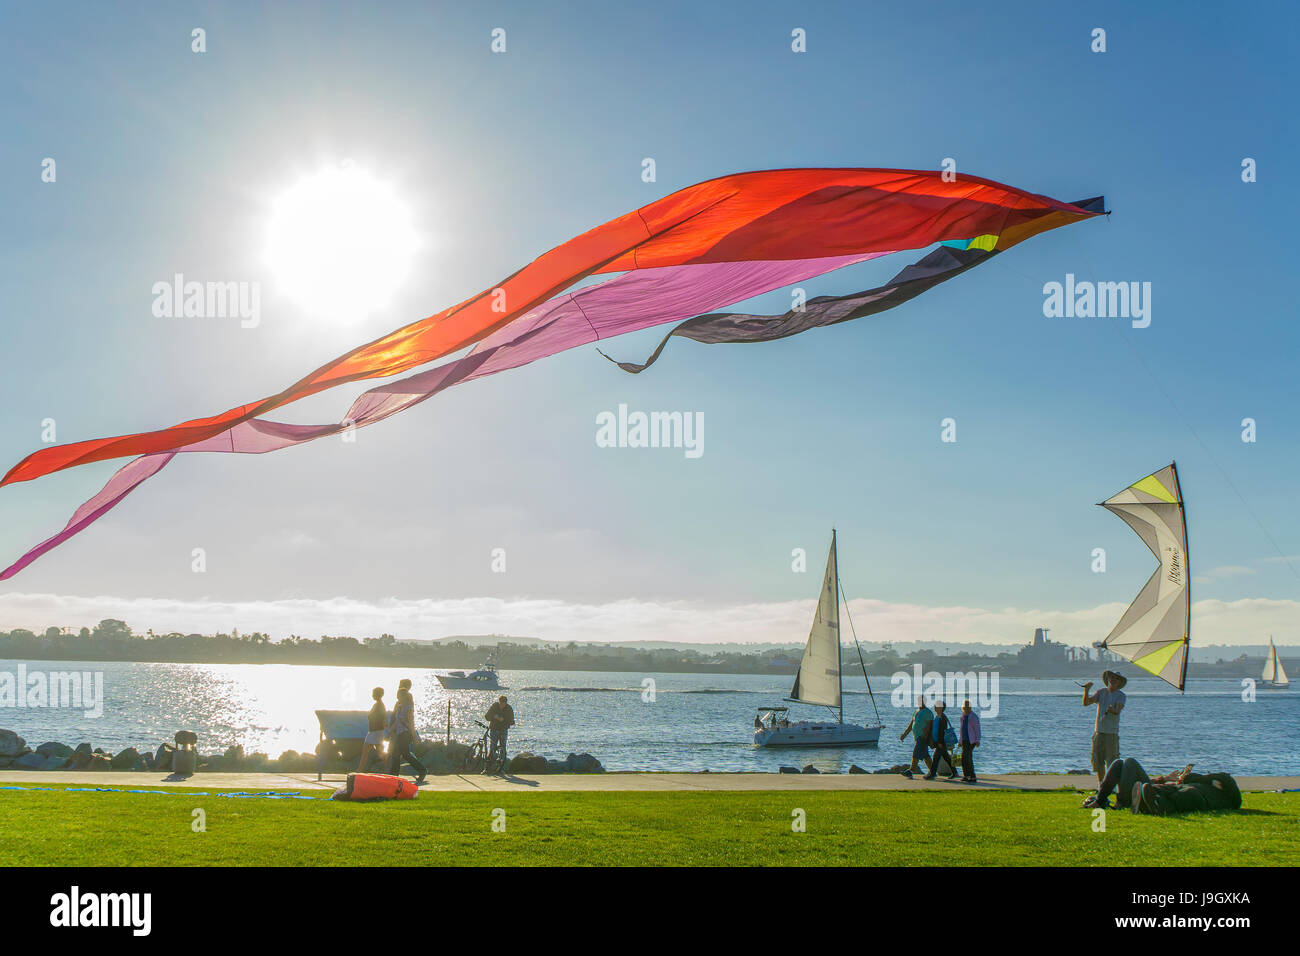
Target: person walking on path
[[970, 739], [919, 728], [401, 731], [939, 728], [376, 730], [1110, 702]]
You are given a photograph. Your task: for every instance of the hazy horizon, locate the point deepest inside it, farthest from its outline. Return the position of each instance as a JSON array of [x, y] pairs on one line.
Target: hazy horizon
[[626, 621]]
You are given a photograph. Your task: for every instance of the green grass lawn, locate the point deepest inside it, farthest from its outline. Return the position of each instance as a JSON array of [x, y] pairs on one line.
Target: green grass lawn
[[654, 829]]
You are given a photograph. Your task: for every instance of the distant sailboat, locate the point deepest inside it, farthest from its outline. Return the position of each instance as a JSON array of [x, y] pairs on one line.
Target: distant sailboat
[[1274, 674], [1155, 630], [819, 680]]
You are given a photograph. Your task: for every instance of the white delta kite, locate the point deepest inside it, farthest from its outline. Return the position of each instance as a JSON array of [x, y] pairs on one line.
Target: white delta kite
[[1155, 630]]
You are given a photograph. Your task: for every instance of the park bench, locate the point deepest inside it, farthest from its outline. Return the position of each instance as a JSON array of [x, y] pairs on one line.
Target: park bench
[[342, 732]]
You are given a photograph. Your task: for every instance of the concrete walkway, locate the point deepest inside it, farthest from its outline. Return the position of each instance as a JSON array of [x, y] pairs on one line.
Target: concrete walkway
[[559, 783]]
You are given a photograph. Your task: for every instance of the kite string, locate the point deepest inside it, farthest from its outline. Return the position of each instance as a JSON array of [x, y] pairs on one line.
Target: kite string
[[1187, 422]]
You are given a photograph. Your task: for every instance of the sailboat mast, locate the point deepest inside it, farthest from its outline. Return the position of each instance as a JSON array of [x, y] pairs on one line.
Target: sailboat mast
[[839, 663]]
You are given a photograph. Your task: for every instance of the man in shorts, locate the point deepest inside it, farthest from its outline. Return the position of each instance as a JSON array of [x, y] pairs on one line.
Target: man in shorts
[[1105, 737]]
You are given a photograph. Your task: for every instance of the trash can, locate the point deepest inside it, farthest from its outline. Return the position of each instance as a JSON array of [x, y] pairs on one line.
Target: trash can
[[185, 758]]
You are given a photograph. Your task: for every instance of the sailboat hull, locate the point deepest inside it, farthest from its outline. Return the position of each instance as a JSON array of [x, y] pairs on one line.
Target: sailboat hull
[[807, 733]]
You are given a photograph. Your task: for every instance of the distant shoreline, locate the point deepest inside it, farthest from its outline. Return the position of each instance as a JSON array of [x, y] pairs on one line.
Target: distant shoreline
[[1226, 671]]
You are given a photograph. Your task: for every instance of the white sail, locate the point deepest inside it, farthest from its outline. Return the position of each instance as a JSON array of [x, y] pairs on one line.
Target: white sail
[[1153, 633], [818, 679], [1274, 673]]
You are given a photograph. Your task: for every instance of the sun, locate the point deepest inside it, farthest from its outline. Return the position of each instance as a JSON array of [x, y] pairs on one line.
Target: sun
[[340, 243]]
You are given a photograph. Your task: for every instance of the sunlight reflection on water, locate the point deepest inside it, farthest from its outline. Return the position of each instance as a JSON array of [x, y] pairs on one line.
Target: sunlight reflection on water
[[696, 722]]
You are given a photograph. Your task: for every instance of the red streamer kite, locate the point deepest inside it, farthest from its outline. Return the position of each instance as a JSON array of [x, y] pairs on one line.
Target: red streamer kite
[[706, 246]]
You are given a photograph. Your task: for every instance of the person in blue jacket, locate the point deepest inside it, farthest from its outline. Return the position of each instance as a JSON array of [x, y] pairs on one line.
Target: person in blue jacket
[[939, 728], [970, 739]]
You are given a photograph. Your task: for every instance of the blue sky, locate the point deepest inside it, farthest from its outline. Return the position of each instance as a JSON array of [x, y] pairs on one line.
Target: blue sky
[[168, 162]]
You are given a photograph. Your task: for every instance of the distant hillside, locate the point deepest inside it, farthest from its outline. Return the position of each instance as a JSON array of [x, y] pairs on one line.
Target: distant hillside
[[1208, 654]]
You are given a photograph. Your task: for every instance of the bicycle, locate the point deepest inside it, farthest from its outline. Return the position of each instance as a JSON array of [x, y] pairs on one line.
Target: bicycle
[[480, 759]]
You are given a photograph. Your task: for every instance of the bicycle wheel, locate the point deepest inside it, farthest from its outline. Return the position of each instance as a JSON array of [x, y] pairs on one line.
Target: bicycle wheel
[[473, 762]]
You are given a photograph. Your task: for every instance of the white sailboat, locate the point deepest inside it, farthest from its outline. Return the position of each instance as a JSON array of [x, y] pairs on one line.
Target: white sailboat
[[1274, 674], [819, 680]]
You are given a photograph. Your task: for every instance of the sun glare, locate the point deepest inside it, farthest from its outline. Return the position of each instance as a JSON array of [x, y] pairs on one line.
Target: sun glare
[[340, 243]]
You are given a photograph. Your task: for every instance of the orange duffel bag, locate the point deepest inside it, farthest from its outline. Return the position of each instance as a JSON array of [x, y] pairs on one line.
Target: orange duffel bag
[[377, 786]]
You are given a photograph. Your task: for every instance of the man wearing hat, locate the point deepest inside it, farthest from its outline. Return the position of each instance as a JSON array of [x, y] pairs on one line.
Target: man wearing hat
[[1105, 737]]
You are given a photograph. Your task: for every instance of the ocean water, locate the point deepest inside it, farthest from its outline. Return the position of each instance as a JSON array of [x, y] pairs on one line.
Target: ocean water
[[690, 722]]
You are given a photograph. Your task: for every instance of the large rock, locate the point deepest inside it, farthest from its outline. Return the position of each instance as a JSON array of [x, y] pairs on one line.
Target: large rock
[[582, 763], [442, 759], [162, 758], [128, 759], [457, 751], [854, 768], [809, 768], [80, 760], [99, 762], [527, 762], [29, 761], [789, 770], [54, 749], [11, 745], [556, 766], [55, 762]]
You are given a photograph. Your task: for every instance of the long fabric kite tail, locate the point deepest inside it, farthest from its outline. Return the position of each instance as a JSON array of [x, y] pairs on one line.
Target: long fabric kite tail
[[124, 481], [707, 246], [629, 302], [948, 261], [636, 369], [716, 328], [766, 215]]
